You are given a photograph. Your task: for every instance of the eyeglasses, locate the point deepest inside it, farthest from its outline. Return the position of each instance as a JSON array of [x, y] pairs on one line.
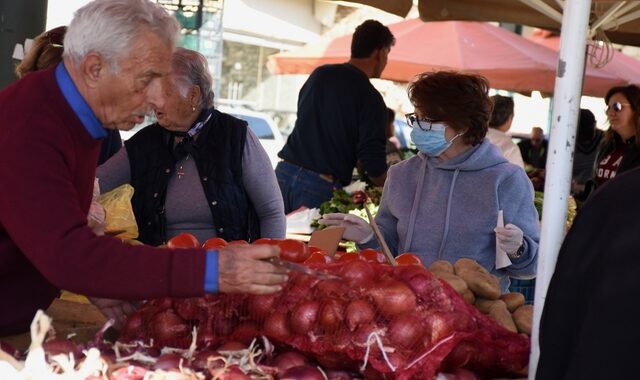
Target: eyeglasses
[[616, 107], [425, 123]]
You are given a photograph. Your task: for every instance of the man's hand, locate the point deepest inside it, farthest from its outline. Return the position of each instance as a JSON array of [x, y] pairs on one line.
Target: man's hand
[[114, 309], [242, 269]]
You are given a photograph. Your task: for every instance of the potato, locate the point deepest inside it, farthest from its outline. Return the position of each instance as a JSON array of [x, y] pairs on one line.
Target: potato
[[513, 300], [469, 296], [441, 266], [457, 283], [464, 265], [523, 317], [499, 313], [482, 284], [484, 305]]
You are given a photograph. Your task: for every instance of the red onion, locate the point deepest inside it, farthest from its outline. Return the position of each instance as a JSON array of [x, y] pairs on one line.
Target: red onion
[[262, 305], [335, 360], [405, 331], [232, 346], [462, 321], [163, 303], [459, 355], [62, 346], [303, 317], [331, 315], [333, 374], [245, 332], [134, 326], [230, 373], [426, 287], [277, 325], [9, 349], [439, 325], [303, 372], [167, 327], [189, 309], [393, 298], [361, 335], [169, 361], [332, 288], [289, 359], [359, 312], [222, 326], [201, 360], [206, 337]]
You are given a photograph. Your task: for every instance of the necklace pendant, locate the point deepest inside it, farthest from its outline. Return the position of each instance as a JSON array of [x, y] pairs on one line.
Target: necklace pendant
[[180, 172]]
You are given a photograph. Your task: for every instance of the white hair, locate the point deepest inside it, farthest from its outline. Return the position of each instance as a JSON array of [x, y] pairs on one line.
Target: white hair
[[189, 68], [110, 28]]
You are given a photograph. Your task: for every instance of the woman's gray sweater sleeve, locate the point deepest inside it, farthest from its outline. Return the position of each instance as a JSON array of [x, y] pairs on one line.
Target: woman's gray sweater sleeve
[[262, 186], [114, 172]]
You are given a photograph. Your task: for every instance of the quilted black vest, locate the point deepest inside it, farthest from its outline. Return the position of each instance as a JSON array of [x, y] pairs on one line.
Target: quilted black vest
[[217, 152]]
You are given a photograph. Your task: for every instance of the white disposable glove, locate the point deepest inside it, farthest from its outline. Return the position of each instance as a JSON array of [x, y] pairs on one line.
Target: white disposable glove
[[356, 228], [509, 238]]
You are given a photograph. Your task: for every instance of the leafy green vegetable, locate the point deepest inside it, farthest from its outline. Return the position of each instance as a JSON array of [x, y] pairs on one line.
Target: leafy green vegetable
[[571, 207]]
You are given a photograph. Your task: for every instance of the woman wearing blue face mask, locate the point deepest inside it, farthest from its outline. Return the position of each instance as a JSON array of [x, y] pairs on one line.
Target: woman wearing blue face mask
[[444, 202]]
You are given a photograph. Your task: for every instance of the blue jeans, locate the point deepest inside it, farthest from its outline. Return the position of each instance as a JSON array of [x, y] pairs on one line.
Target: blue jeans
[[302, 187]]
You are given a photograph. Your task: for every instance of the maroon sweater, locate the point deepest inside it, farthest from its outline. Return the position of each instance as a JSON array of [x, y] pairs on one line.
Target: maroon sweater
[[47, 167]]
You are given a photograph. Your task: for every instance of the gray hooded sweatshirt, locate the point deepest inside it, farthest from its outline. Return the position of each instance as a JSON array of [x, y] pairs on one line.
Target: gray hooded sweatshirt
[[448, 209]]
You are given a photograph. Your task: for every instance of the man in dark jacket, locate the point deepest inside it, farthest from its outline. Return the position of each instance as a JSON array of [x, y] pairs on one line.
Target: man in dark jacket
[[534, 150], [587, 140], [589, 326], [342, 122]]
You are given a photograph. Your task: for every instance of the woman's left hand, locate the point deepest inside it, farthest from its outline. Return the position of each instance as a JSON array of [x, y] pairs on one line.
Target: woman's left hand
[[509, 238]]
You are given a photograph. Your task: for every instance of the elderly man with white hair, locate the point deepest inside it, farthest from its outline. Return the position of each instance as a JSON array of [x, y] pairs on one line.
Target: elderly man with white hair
[[51, 123]]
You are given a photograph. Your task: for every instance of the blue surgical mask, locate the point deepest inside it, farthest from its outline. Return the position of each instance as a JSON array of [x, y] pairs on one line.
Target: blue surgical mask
[[431, 142]]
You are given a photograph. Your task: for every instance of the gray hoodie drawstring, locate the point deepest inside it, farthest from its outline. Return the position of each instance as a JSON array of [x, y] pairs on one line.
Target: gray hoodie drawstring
[[446, 220], [414, 206]]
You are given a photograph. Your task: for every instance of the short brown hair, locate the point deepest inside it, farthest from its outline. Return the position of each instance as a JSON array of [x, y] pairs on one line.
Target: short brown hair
[[45, 52], [461, 100]]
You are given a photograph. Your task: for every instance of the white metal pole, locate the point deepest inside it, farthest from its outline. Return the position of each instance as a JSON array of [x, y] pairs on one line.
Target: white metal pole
[[566, 105]]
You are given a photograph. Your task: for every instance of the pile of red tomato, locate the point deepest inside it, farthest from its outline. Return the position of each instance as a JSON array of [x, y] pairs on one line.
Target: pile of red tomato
[[295, 250]]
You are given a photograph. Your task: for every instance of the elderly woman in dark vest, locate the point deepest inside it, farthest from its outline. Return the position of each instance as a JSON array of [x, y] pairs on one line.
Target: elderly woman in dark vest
[[196, 170]]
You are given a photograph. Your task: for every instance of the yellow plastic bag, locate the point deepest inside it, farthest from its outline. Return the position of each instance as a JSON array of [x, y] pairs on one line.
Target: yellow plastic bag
[[120, 220]]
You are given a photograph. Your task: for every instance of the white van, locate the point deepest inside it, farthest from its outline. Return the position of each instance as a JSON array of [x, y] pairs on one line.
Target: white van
[[263, 126]]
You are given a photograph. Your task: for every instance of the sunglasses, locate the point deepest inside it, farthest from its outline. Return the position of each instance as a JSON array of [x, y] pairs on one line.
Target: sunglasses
[[425, 123], [616, 107]]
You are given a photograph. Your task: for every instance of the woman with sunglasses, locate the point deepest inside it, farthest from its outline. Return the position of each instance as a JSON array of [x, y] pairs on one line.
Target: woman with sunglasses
[[445, 202], [619, 150]]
